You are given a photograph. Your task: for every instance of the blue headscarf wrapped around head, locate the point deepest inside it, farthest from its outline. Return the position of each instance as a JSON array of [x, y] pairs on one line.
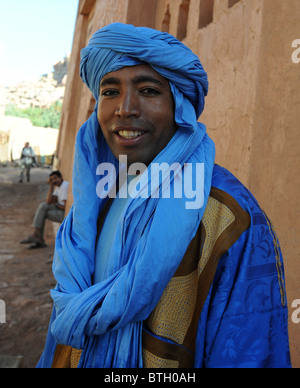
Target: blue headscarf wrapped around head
[[151, 238], [119, 45]]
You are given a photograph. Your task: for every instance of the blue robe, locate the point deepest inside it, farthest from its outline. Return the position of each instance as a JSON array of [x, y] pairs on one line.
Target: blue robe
[[243, 321]]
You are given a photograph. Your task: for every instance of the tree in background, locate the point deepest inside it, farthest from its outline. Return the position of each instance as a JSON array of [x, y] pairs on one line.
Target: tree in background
[[39, 117]]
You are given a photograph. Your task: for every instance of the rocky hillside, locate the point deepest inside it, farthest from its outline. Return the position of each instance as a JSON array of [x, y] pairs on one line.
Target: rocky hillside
[[41, 93]]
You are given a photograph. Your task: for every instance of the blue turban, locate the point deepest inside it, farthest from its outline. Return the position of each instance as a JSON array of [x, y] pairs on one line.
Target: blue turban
[[151, 238], [119, 45]]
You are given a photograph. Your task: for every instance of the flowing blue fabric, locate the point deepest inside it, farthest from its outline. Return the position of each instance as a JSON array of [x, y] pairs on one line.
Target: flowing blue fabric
[[105, 319]]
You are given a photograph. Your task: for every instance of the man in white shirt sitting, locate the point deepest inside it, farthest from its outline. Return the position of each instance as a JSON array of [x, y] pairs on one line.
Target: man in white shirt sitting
[[53, 209]]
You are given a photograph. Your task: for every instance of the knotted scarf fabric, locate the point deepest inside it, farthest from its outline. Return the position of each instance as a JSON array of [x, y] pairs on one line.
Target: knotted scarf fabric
[[105, 319]]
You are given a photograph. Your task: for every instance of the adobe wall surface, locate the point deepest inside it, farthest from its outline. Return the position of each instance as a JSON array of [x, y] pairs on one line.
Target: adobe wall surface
[[275, 156], [229, 50]]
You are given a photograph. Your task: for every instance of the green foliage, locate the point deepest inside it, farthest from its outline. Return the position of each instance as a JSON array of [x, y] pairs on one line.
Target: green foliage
[[39, 117]]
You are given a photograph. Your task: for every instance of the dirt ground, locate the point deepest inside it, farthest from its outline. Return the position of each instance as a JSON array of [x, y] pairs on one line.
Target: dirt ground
[[25, 275]]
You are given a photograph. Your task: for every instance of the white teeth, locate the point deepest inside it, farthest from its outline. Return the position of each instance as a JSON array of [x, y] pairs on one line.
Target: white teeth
[[130, 134]]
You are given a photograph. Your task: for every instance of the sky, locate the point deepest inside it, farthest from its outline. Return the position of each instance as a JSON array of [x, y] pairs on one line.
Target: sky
[[34, 35]]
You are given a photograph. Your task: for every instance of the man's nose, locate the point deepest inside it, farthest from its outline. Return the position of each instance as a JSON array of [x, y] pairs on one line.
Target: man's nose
[[128, 105]]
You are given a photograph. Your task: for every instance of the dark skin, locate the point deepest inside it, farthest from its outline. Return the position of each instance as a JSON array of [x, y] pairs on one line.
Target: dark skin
[[136, 113], [53, 181]]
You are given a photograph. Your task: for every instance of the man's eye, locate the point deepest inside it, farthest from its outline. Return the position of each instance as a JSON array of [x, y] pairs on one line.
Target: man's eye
[[109, 92], [150, 91]]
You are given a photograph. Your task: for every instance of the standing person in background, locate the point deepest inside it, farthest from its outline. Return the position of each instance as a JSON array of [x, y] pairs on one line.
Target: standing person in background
[[27, 159]]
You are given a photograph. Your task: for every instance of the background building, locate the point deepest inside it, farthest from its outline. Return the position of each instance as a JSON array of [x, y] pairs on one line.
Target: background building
[[252, 110], [17, 131]]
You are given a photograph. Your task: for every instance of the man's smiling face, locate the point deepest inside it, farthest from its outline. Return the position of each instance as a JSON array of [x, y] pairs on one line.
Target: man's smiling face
[[136, 113]]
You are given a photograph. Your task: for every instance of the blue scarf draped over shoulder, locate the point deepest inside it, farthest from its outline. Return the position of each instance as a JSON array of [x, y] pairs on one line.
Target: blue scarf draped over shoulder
[[105, 319]]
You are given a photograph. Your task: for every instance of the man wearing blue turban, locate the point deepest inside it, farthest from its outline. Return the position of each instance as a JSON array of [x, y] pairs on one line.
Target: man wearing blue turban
[[147, 277]]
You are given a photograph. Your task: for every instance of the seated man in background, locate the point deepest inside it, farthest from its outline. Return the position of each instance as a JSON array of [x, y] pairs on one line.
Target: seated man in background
[[53, 209]]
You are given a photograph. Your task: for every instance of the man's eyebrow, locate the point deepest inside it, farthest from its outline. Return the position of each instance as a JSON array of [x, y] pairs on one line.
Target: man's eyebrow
[[136, 80], [146, 78], [109, 81]]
